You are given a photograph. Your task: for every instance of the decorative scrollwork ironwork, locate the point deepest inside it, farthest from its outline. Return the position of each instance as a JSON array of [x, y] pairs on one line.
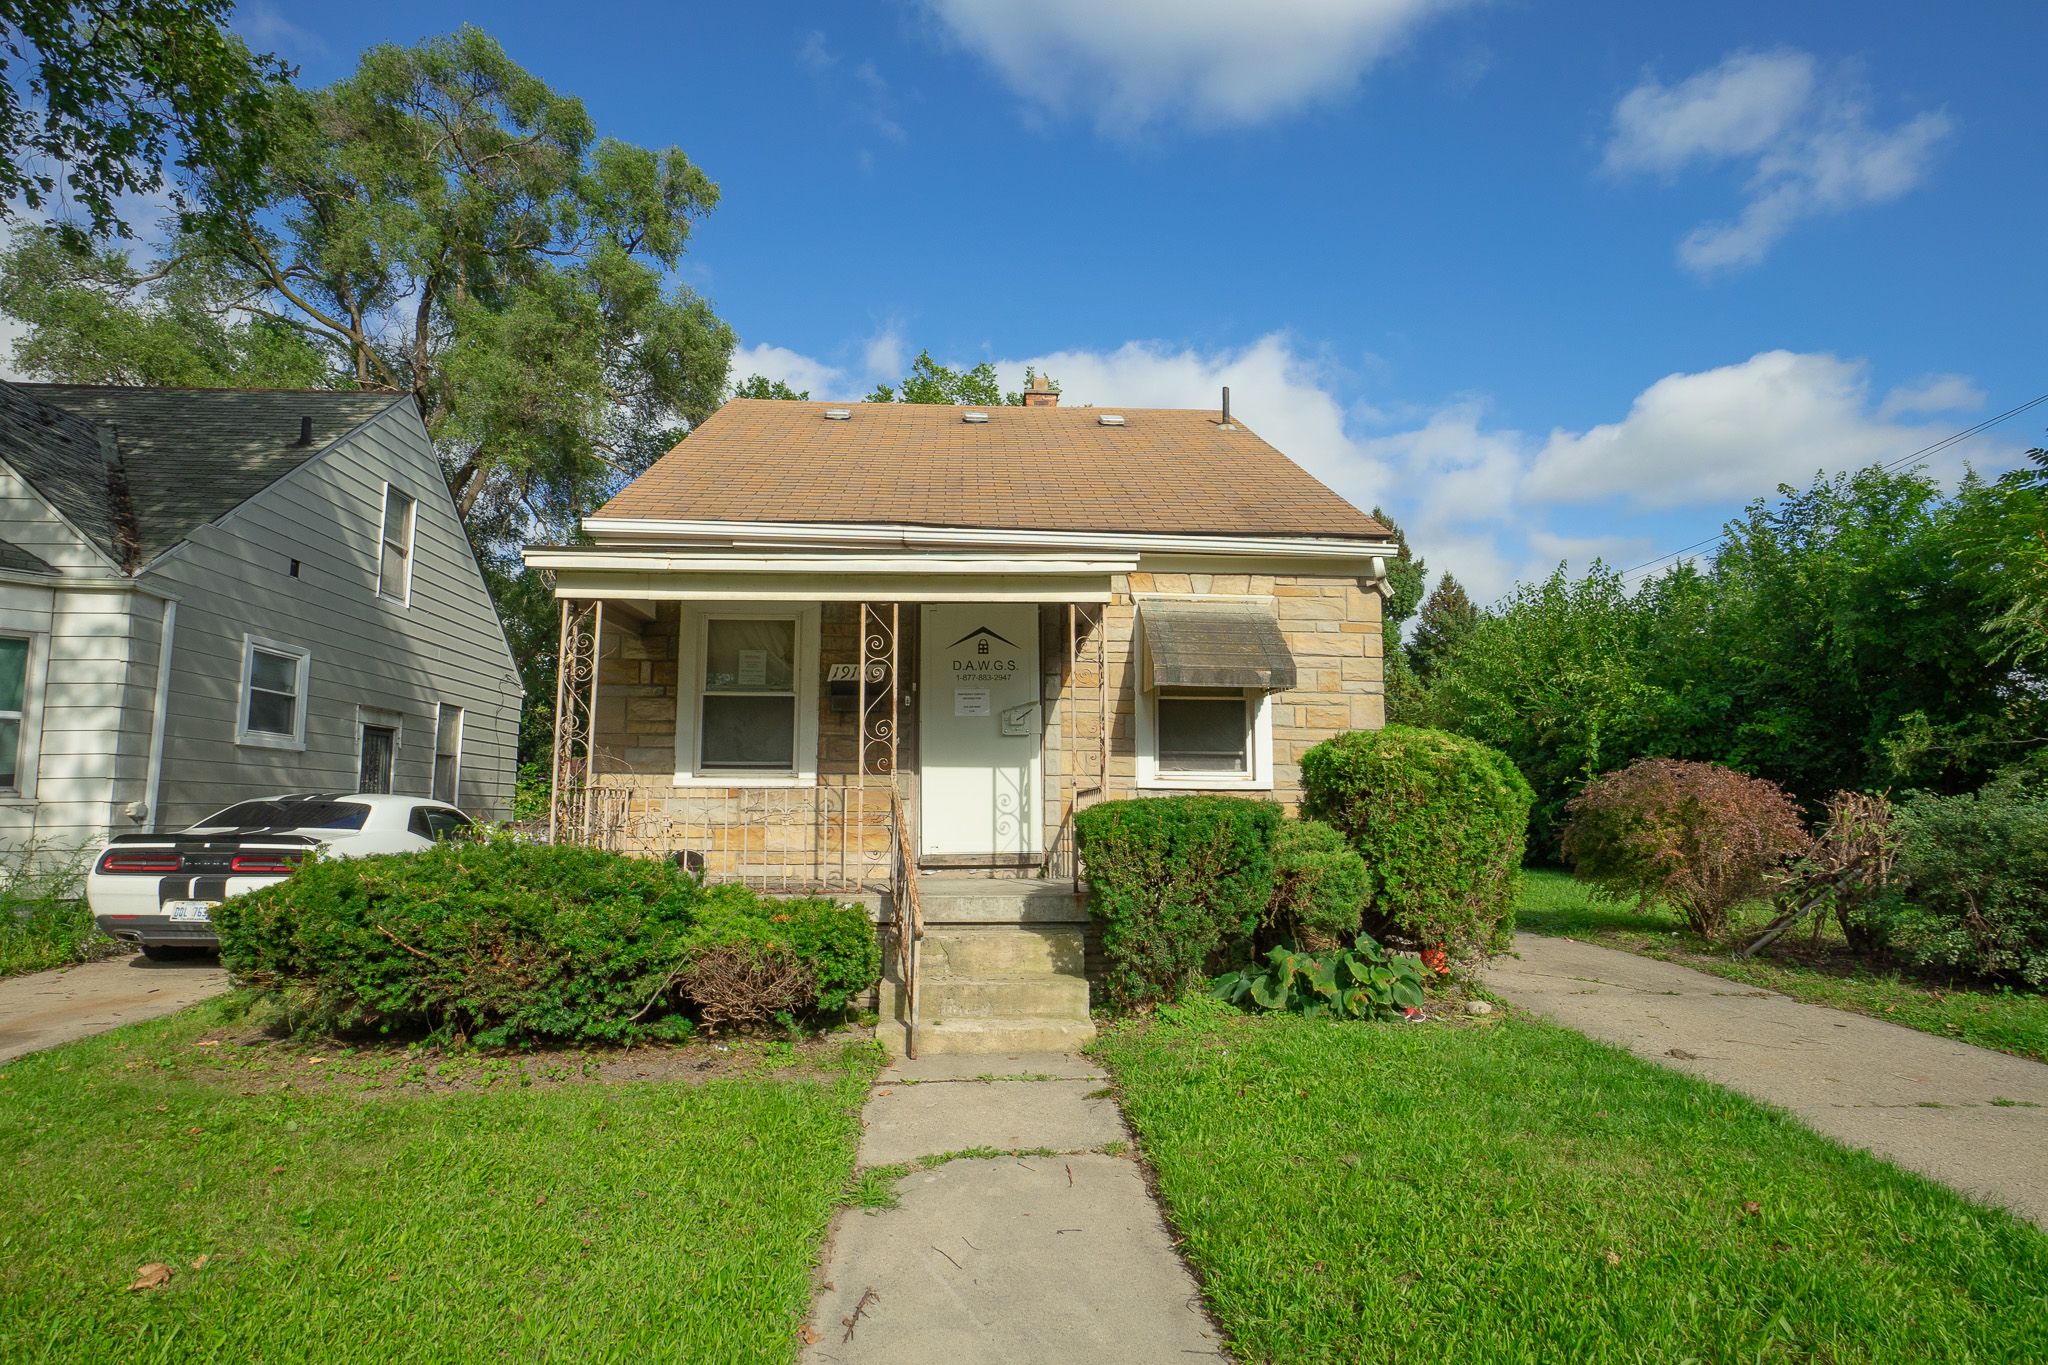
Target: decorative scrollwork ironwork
[[880, 629], [569, 804]]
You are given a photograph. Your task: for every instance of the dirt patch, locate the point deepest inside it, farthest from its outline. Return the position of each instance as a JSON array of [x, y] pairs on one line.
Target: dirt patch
[[255, 1060]]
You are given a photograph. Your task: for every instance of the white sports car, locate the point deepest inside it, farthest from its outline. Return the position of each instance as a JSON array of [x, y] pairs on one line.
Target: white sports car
[[158, 890]]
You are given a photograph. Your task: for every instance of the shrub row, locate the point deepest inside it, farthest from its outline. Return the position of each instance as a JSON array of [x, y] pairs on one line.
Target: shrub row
[[1415, 835], [504, 942]]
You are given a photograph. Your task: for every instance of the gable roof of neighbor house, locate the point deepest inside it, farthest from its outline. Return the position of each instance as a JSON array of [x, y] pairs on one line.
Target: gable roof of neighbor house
[[1165, 470], [186, 456], [14, 559]]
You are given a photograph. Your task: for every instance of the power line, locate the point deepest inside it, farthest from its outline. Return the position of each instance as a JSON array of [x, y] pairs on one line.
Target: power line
[[1943, 444]]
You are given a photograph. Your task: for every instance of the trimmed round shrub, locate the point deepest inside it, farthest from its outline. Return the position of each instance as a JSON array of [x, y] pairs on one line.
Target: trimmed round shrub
[[504, 942], [1174, 881], [1704, 837], [1970, 888], [1318, 886], [1441, 821]]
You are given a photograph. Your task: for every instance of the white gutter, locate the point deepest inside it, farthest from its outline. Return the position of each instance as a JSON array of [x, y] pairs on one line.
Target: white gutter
[[654, 560], [159, 711], [768, 535]]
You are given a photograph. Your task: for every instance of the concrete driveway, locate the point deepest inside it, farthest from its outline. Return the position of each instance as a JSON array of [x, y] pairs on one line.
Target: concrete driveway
[[1973, 1119], [47, 1008]]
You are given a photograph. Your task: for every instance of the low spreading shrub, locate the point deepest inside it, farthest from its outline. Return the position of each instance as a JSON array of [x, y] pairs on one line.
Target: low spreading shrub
[[505, 942], [1441, 822], [1970, 887], [1174, 881], [1363, 981], [1318, 885], [44, 920], [1704, 837]]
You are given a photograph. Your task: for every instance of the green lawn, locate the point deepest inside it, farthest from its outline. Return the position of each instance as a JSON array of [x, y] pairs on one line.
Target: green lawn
[[341, 1211], [1826, 973], [42, 932], [1506, 1190]]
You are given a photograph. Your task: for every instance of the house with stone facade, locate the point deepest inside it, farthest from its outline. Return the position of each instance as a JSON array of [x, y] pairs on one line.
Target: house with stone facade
[[890, 649]]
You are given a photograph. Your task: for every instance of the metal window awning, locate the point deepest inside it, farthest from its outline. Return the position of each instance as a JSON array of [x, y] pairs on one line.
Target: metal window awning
[[1214, 644]]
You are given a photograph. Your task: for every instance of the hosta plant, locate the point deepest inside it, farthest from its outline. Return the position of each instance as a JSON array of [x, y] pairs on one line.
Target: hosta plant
[[1363, 981]]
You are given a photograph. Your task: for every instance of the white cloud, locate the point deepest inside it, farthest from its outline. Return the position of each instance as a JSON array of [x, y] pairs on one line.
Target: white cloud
[[1211, 63], [1728, 434], [266, 29], [1934, 393], [793, 368], [865, 90], [1808, 139]]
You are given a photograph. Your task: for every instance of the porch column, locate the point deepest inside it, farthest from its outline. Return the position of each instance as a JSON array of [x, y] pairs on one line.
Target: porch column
[[570, 804]]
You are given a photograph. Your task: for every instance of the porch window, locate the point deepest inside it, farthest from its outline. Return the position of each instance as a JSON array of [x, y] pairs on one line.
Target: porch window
[[747, 720], [1204, 732]]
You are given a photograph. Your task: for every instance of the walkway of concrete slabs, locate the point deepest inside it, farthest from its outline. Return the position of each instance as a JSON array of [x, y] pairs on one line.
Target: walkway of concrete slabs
[[1973, 1119], [1051, 1251], [44, 1009]]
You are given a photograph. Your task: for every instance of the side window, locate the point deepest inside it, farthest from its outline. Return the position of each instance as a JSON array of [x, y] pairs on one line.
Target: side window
[[13, 700], [429, 822], [394, 564], [273, 709]]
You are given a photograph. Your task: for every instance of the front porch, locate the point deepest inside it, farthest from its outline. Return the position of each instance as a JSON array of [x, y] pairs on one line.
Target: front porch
[[781, 744]]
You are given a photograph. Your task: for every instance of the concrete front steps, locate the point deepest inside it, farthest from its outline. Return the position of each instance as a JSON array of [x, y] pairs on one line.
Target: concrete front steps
[[1003, 969]]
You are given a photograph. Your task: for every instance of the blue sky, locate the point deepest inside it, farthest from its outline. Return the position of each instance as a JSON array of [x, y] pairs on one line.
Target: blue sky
[[1546, 280]]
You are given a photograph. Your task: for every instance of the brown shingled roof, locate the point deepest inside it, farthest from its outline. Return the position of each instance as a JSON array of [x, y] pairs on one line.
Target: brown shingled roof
[[1166, 470]]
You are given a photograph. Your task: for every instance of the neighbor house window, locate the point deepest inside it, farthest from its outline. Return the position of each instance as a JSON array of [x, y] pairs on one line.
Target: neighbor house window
[[394, 572], [377, 756], [447, 753], [273, 693], [747, 717], [13, 701], [1204, 732]]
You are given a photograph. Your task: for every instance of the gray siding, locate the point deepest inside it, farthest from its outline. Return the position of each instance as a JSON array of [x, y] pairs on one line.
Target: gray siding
[[233, 579]]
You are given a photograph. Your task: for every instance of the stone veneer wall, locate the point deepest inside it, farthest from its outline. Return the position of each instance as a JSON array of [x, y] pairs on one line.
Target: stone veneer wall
[[1333, 628]]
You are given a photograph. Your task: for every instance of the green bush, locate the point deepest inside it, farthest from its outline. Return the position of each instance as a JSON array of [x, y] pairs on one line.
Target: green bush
[[1363, 981], [1970, 888], [1174, 880], [1441, 822], [44, 920], [505, 942], [1318, 885]]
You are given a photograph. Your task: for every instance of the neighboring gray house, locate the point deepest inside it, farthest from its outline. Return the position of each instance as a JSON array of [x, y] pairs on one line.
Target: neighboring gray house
[[209, 594]]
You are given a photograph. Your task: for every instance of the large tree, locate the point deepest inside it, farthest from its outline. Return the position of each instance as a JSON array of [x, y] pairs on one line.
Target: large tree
[[1447, 617], [444, 224], [931, 382], [98, 99]]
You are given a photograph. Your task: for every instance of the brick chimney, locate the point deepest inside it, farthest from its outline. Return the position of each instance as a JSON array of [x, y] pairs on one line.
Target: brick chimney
[[1041, 392]]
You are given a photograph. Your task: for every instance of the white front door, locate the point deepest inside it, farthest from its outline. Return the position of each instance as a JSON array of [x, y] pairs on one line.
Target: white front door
[[978, 740]]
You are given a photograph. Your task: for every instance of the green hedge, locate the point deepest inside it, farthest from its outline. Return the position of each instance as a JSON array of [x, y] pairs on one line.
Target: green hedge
[[1319, 886], [1970, 889], [1442, 823], [1174, 880], [506, 942]]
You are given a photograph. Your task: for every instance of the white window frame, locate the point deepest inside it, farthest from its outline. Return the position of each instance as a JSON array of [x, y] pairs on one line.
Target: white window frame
[[403, 597], [693, 636], [455, 751], [28, 749], [264, 739], [1258, 753]]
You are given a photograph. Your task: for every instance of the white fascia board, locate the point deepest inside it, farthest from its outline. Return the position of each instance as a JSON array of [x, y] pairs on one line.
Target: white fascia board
[[908, 566], [767, 535], [837, 586]]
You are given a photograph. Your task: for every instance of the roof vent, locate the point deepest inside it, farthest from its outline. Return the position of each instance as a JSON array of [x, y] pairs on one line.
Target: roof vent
[[1111, 419], [975, 417], [838, 414], [305, 432]]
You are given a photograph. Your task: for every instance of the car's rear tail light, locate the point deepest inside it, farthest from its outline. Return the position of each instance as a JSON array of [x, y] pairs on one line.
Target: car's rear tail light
[[139, 863], [279, 863]]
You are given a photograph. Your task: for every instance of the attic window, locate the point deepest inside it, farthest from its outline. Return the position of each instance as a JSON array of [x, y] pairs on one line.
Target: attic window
[[1111, 419], [975, 417], [838, 414]]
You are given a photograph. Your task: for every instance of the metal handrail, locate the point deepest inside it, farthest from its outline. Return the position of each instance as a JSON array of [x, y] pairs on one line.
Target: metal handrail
[[909, 912]]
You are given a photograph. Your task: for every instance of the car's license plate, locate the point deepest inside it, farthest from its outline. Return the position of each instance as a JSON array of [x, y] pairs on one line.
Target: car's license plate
[[190, 911]]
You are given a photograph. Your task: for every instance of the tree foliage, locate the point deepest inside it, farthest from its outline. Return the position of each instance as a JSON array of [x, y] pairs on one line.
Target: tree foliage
[[1447, 617], [103, 96], [761, 386], [931, 382], [441, 223]]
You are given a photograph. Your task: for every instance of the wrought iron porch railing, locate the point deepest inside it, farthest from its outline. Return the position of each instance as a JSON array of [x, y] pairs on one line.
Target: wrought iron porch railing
[[826, 838]]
